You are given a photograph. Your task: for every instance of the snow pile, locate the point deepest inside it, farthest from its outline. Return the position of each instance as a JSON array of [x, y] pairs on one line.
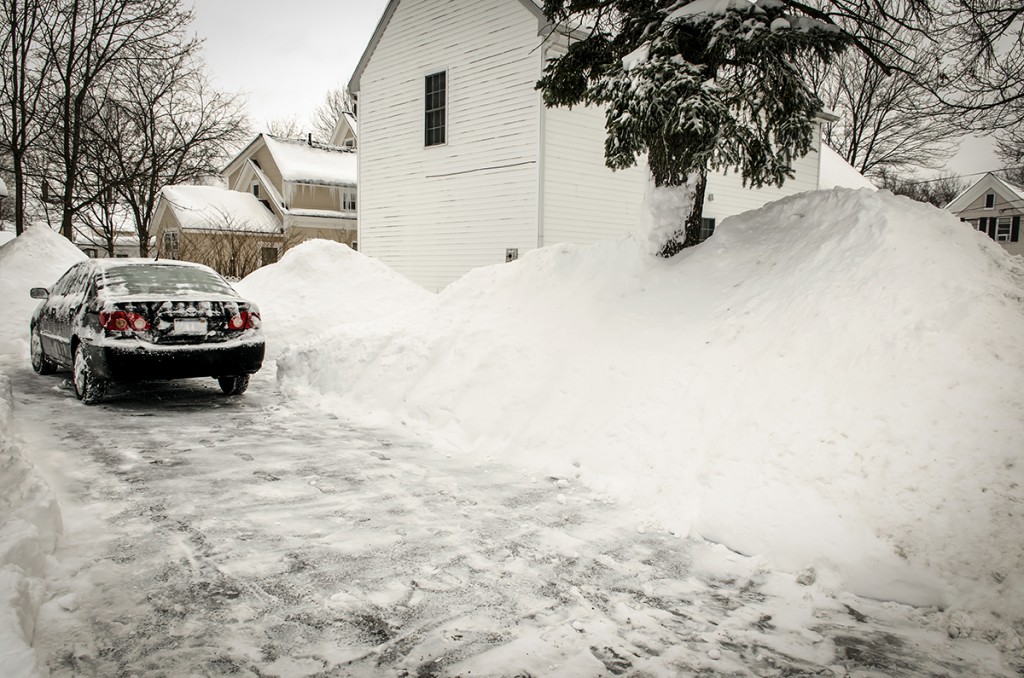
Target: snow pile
[[320, 284], [30, 522], [37, 258], [835, 380]]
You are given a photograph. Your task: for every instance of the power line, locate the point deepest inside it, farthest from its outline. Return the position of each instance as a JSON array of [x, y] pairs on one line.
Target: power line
[[962, 176]]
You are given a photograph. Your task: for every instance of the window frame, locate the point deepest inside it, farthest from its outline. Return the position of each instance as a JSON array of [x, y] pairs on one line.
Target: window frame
[[428, 140], [707, 228], [264, 248], [1001, 235]]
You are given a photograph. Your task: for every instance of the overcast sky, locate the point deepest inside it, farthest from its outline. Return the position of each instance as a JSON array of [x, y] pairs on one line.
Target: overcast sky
[[284, 55]]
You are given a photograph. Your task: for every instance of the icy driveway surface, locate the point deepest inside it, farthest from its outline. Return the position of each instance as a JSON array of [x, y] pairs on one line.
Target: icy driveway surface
[[211, 536]]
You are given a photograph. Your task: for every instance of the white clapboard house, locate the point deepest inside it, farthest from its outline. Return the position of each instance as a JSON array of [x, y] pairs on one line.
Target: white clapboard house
[[993, 206], [460, 163]]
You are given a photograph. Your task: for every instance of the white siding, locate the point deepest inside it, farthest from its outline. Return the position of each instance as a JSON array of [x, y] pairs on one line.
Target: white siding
[[434, 213], [726, 195], [584, 201]]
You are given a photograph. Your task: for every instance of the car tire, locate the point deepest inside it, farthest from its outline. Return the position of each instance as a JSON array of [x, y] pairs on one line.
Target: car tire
[[89, 388], [40, 363], [234, 385]]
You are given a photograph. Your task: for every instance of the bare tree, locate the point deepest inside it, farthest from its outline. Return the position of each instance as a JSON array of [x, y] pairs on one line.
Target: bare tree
[[103, 223], [1010, 149], [286, 128], [87, 38], [980, 66], [164, 125], [337, 101], [25, 65], [227, 246], [939, 191], [888, 123]]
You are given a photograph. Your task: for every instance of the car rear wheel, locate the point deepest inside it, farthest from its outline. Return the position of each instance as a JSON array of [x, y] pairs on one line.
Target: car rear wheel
[[40, 363], [88, 387], [234, 385]]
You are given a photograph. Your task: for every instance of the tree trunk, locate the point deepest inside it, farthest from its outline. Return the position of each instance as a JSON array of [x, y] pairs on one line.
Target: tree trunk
[[690, 234]]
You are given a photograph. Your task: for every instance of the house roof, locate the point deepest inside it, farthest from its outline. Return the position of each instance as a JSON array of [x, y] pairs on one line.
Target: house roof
[[308, 162], [302, 161], [345, 120], [835, 172], [534, 6], [987, 182], [212, 208]]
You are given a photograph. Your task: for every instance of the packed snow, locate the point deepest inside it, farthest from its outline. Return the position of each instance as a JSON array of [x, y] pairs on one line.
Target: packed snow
[[831, 381], [30, 517], [321, 284]]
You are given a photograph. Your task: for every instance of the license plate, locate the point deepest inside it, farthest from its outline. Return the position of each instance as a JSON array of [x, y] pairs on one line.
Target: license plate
[[190, 326]]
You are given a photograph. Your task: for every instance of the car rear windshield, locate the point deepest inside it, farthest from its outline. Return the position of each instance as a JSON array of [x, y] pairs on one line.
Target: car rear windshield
[[161, 281]]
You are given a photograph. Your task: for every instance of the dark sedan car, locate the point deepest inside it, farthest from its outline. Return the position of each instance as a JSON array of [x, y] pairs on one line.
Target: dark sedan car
[[137, 319]]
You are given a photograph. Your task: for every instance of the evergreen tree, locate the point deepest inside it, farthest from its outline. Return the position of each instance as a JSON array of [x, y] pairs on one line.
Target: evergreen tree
[[696, 85]]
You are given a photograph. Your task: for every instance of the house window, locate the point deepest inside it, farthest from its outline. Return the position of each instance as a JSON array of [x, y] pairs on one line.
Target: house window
[[90, 252], [171, 245], [355, 246], [990, 200], [707, 229], [1003, 229], [256, 189], [268, 255], [348, 200], [434, 124]]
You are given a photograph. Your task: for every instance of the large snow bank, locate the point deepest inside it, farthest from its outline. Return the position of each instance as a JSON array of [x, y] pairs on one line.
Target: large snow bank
[[320, 284], [36, 258], [30, 522], [833, 380]]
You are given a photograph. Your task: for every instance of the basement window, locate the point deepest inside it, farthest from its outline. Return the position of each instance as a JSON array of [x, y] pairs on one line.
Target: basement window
[[434, 132], [707, 229]]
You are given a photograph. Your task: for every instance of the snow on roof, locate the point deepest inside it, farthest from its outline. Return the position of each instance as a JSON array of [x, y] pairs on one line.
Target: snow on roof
[[210, 207], [837, 173], [352, 122], [969, 194], [316, 163]]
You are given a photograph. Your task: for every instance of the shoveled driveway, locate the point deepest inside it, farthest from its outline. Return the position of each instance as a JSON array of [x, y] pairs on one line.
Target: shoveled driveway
[[253, 536]]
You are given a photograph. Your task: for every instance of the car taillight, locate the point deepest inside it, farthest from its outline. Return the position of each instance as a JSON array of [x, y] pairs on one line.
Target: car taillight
[[123, 321], [244, 320]]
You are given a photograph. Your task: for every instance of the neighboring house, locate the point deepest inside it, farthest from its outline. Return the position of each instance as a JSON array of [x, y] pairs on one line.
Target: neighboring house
[[230, 231], [279, 193], [346, 132], [310, 187], [95, 247], [460, 163], [993, 206]]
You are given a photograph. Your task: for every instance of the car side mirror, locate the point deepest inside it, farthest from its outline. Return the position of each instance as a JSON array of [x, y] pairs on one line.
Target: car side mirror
[[39, 293]]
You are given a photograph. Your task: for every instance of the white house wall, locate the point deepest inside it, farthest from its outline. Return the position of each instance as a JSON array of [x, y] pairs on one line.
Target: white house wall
[[434, 213], [726, 196], [583, 200]]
